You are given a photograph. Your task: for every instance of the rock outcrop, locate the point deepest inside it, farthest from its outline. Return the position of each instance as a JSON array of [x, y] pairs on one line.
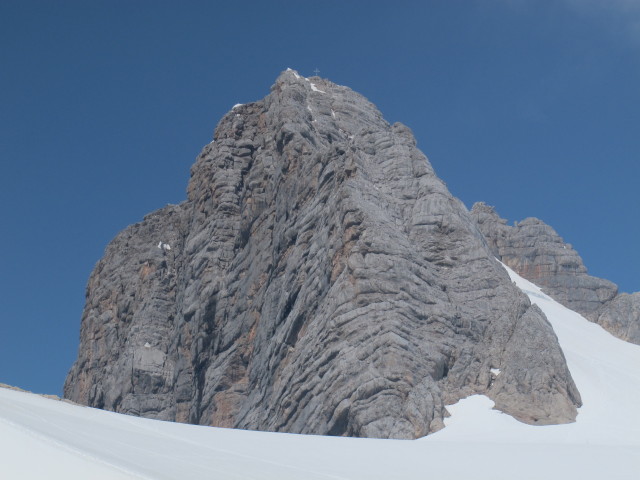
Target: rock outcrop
[[621, 316], [536, 252], [319, 278]]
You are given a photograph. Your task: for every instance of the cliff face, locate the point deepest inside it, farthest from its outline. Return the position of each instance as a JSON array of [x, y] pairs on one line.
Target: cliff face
[[536, 252], [621, 316], [319, 278]]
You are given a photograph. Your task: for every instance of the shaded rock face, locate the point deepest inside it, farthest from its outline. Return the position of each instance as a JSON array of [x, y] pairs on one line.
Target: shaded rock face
[[535, 251], [319, 278]]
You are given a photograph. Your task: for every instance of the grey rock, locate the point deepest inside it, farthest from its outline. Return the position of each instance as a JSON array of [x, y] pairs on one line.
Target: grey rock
[[535, 251], [320, 279], [621, 316]]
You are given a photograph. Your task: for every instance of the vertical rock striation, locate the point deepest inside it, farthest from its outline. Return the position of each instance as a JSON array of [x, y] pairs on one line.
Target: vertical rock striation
[[535, 251], [319, 278]]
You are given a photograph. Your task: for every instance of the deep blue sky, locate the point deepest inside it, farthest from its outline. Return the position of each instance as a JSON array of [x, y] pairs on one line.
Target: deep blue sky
[[531, 106]]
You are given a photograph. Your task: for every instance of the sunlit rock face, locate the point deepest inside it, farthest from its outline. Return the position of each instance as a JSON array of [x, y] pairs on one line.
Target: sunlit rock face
[[319, 278], [536, 252]]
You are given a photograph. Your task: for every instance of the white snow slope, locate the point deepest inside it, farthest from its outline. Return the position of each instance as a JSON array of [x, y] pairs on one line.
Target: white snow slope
[[42, 438]]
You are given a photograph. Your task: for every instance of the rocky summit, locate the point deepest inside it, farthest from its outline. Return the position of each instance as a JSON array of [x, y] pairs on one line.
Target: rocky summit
[[319, 278], [536, 252]]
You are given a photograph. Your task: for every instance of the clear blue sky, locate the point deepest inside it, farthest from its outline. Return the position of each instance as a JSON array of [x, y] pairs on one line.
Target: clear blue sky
[[531, 106]]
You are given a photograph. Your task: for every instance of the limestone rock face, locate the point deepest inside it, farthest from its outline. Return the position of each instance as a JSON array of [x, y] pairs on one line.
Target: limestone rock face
[[319, 278], [535, 251], [621, 316]]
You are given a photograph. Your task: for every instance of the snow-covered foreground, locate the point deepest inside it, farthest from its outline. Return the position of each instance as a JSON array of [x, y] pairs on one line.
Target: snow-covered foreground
[[43, 438]]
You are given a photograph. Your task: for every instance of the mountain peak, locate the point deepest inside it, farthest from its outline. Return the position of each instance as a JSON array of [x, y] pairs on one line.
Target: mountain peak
[[321, 279]]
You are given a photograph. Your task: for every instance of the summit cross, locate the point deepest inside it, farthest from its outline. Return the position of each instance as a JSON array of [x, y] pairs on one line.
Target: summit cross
[[316, 71]]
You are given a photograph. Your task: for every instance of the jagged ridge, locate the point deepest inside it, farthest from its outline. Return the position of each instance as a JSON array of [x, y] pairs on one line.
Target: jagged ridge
[[536, 252]]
